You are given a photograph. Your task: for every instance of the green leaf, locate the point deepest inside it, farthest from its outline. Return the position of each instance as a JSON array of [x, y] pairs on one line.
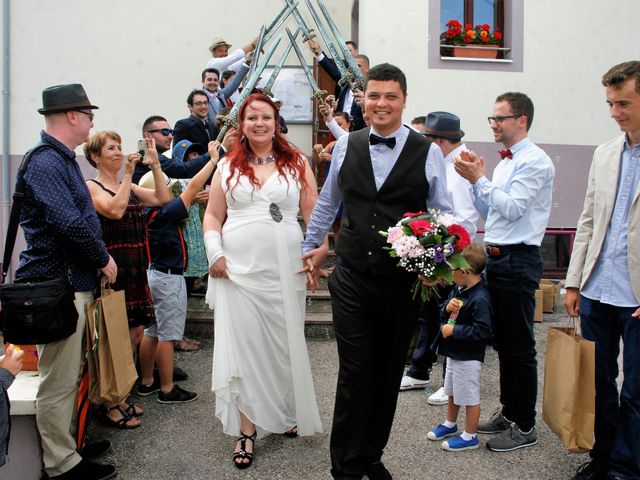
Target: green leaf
[[443, 271], [457, 261]]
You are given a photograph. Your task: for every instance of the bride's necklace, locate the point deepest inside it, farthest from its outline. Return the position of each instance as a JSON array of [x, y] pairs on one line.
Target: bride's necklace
[[262, 160]]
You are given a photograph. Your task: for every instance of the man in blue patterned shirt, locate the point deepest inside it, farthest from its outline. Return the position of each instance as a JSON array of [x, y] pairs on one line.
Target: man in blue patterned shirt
[[63, 238]]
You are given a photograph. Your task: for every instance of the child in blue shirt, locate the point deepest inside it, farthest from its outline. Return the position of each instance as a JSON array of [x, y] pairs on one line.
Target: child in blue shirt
[[465, 333], [168, 257]]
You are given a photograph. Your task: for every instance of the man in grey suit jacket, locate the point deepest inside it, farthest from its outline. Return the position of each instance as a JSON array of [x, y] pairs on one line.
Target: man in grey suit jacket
[[603, 281]]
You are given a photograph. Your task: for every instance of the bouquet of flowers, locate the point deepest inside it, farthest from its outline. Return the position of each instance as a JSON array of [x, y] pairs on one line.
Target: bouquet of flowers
[[428, 243]]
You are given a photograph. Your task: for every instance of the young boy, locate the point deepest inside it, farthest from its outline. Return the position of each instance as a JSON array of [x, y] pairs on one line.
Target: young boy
[[168, 261], [465, 332]]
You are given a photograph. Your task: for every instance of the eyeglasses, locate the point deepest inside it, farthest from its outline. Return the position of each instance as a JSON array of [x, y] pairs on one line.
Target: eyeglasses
[[501, 118], [200, 104], [88, 114], [165, 131]]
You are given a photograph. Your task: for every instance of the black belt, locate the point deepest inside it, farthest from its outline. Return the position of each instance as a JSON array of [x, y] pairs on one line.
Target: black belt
[[497, 250], [168, 271]]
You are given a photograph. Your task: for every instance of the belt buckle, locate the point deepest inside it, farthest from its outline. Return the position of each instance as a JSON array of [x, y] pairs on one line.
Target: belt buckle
[[493, 251]]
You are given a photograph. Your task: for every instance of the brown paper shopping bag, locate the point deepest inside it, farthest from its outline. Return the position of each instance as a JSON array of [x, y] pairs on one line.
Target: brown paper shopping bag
[[112, 372], [569, 388]]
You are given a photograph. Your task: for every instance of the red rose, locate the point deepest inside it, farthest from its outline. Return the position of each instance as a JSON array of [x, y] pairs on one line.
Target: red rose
[[486, 27], [468, 26], [498, 35], [485, 39], [421, 226], [462, 236]]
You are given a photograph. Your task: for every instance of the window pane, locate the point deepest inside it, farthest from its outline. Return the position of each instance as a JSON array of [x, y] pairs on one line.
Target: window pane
[[483, 12], [451, 10]]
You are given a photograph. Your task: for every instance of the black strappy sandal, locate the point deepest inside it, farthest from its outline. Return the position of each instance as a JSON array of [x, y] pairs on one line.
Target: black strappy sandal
[[243, 454], [291, 433]]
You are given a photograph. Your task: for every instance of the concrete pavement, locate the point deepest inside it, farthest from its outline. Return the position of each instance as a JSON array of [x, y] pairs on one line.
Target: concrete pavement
[[186, 441]]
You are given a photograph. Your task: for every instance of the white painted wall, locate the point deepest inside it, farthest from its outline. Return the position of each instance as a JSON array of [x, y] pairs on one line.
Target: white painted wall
[[135, 58], [568, 45]]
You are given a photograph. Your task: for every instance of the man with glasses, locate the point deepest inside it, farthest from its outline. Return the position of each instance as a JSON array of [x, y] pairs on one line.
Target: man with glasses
[[160, 130], [516, 204], [196, 127], [64, 239]]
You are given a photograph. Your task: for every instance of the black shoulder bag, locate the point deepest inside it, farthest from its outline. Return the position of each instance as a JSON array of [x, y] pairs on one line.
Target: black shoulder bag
[[33, 310]]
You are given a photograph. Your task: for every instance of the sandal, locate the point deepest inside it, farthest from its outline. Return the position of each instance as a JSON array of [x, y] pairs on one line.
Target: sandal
[[242, 453], [132, 409], [187, 345], [123, 422], [292, 432]]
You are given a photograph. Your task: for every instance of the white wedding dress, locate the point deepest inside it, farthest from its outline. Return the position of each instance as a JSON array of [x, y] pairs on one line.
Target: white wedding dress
[[260, 360]]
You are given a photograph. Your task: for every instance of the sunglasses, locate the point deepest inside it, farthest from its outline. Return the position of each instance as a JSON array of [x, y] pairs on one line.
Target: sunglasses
[[165, 131]]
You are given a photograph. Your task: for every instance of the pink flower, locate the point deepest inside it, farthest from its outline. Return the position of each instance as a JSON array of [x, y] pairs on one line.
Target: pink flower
[[394, 234]]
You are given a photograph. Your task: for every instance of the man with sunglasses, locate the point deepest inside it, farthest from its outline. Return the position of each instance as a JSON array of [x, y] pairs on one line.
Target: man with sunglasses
[[160, 130], [516, 204]]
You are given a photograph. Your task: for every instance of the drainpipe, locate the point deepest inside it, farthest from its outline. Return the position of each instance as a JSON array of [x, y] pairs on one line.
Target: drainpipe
[[6, 183]]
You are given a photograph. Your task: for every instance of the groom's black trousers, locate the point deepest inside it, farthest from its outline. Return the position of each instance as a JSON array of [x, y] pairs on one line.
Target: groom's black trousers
[[374, 318]]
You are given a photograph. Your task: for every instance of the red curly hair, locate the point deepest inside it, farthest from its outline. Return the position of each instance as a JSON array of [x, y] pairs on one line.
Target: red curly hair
[[287, 157]]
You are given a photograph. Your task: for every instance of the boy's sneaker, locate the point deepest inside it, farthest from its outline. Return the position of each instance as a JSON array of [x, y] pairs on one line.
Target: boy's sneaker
[[177, 395], [512, 439], [145, 390], [441, 431], [457, 444], [410, 383], [438, 398], [496, 424]]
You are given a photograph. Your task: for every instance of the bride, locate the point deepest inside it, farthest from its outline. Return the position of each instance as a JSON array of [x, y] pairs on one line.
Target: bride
[[261, 374]]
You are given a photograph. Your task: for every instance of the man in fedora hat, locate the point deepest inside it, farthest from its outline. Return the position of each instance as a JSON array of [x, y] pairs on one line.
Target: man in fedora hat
[[223, 60], [63, 238], [443, 129]]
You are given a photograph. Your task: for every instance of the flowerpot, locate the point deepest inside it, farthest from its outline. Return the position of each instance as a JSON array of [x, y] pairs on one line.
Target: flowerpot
[[477, 51]]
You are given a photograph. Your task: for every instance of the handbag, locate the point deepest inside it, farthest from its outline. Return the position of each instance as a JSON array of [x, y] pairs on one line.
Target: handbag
[[569, 388], [112, 372], [36, 310]]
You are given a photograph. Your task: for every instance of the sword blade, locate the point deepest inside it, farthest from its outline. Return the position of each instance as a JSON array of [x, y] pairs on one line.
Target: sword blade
[[256, 52], [355, 69], [314, 86], [231, 119], [276, 71], [306, 32], [327, 40], [287, 11]]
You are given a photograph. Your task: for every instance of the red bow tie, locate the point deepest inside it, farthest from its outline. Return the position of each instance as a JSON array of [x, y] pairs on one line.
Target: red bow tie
[[505, 154]]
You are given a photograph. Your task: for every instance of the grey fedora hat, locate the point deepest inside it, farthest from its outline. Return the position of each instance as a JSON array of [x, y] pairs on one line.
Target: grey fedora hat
[[63, 98], [443, 124]]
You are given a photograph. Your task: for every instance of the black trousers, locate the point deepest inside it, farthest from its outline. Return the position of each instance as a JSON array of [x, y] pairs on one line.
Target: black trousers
[[423, 357], [374, 318], [512, 280]]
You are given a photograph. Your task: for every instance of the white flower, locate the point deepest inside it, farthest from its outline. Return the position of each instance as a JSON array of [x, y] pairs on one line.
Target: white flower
[[446, 219]]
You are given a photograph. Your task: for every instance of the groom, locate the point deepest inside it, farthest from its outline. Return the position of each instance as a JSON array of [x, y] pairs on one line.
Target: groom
[[380, 173]]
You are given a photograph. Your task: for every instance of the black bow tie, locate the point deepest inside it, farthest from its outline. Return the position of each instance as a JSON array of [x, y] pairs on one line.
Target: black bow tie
[[375, 140]]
